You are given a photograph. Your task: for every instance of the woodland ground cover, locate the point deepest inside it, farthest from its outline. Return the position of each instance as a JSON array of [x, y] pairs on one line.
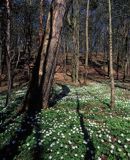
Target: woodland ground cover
[[79, 126]]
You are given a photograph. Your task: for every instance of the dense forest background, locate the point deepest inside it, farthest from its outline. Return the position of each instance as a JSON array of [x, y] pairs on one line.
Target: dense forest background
[[27, 28]]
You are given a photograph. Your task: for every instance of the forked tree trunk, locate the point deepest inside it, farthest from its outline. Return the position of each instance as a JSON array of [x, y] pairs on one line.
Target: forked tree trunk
[[111, 58], [40, 84]]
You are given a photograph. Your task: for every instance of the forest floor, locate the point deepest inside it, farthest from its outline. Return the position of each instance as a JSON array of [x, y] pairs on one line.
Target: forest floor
[[97, 72], [79, 126]]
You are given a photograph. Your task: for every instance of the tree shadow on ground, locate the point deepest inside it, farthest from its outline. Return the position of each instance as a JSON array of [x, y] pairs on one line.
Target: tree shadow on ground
[[57, 97], [90, 149], [4, 125], [28, 124], [29, 121], [122, 87], [101, 101], [4, 116], [98, 79], [37, 152], [107, 81]]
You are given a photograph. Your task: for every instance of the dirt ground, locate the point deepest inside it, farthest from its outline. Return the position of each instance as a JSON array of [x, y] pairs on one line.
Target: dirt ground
[[97, 71]]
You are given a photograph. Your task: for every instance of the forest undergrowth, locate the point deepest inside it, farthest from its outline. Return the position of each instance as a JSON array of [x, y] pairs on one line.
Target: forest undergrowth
[[79, 126]]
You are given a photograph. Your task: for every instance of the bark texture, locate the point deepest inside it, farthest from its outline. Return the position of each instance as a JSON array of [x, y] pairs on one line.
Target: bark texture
[[43, 73]]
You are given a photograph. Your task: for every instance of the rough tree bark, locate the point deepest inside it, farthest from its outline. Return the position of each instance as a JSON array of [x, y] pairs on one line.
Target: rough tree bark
[[40, 85], [111, 57]]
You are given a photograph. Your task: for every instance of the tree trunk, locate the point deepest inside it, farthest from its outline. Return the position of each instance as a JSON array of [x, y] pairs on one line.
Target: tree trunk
[[118, 59], [126, 59], [40, 84], [75, 74], [64, 57], [3, 36], [45, 40], [49, 64], [87, 42], [41, 22], [0, 49], [28, 28], [111, 58], [87, 35], [0, 60], [8, 58]]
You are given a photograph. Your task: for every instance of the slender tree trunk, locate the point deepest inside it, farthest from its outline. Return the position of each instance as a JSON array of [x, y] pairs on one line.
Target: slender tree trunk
[[87, 41], [41, 22], [28, 32], [65, 57], [8, 58], [125, 70], [111, 57], [3, 38], [108, 64], [126, 59], [118, 59], [75, 74], [87, 35], [0, 60], [0, 49]]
